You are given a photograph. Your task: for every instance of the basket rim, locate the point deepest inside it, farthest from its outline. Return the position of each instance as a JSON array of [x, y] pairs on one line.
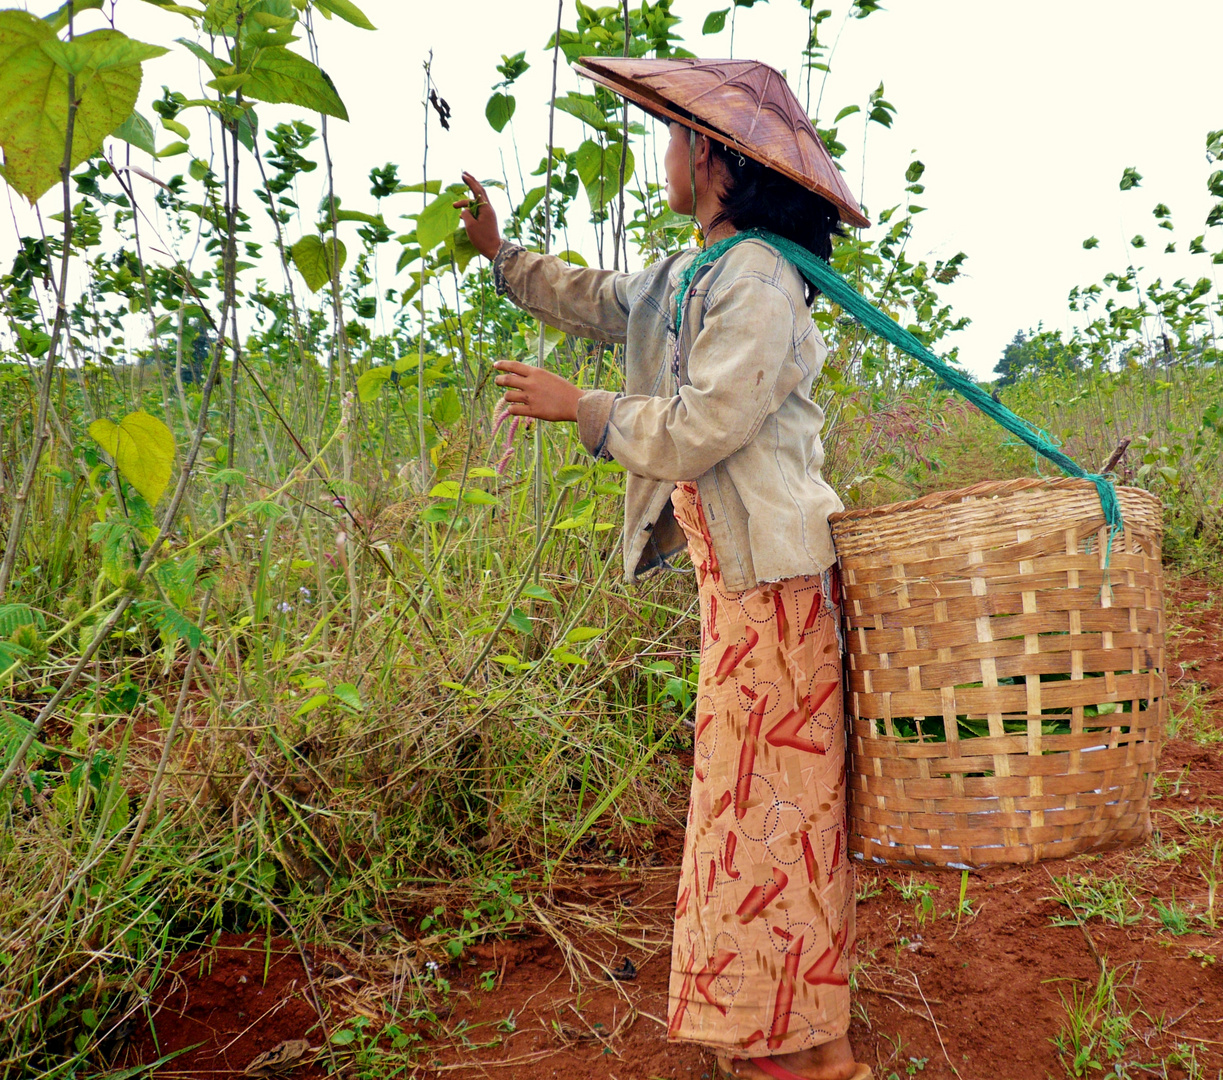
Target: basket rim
[[985, 489]]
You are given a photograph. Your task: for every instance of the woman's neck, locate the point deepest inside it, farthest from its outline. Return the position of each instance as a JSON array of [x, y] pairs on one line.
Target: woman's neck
[[719, 231]]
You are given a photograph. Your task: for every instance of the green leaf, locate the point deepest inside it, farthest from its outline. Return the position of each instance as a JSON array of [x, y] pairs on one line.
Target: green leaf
[[370, 383], [315, 259], [137, 131], [715, 21], [438, 220], [447, 489], [313, 703], [849, 110], [586, 109], [171, 623], [174, 148], [519, 621], [573, 258], [142, 448], [347, 11], [58, 19], [479, 497], [1130, 178], [538, 592], [119, 817], [599, 169], [346, 694], [15, 615], [562, 656], [447, 408], [1090, 243], [499, 110], [583, 633], [282, 77], [34, 96]]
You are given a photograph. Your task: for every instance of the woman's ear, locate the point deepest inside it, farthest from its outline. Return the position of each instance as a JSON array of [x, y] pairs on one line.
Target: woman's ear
[[702, 148]]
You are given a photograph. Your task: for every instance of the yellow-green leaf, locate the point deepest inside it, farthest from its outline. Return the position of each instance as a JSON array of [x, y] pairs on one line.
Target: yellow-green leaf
[[137, 131], [283, 77], [317, 259], [369, 383], [346, 10], [142, 448], [34, 67]]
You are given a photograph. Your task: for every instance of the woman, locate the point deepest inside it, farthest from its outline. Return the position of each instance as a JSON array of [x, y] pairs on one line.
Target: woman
[[720, 439]]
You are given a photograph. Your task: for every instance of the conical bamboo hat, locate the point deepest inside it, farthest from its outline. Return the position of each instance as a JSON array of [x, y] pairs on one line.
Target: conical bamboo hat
[[743, 103]]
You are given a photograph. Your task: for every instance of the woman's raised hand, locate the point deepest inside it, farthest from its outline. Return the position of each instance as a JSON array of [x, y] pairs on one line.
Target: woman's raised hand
[[533, 391], [479, 218]]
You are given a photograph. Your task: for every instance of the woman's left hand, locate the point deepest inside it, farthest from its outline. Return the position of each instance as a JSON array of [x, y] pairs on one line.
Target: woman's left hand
[[533, 391]]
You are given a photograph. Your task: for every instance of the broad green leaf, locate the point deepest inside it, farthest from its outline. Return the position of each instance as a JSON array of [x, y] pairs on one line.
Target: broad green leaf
[[573, 258], [312, 704], [461, 249], [101, 50], [283, 77], [120, 815], [583, 633], [715, 21], [214, 63], [571, 474], [34, 96], [447, 489], [849, 110], [346, 694], [447, 409], [227, 84], [173, 149], [482, 471], [519, 620], [478, 497], [499, 110], [586, 109], [599, 169], [137, 131], [538, 592], [563, 656], [439, 219], [315, 260], [552, 338], [346, 10], [58, 19], [142, 448], [370, 383]]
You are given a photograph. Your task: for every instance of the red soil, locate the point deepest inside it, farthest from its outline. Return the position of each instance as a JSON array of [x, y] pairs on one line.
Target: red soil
[[979, 998]]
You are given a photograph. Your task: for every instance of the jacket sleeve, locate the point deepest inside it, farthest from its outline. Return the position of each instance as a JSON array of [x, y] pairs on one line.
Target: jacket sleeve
[[581, 301], [741, 368]]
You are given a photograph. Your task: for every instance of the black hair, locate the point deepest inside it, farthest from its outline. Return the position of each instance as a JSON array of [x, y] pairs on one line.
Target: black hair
[[757, 197]]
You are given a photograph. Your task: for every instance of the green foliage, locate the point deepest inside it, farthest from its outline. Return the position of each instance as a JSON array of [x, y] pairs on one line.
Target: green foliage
[[35, 67], [318, 261], [142, 448]]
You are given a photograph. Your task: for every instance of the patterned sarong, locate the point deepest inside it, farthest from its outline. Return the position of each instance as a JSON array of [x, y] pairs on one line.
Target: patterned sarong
[[764, 922]]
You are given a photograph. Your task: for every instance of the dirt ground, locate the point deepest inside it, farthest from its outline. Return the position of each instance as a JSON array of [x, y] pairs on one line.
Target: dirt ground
[[979, 997]]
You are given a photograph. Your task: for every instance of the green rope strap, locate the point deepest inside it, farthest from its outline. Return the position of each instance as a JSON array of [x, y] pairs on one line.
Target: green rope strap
[[839, 291]]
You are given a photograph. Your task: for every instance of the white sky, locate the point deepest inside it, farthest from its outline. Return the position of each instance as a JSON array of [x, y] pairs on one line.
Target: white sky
[[1024, 114]]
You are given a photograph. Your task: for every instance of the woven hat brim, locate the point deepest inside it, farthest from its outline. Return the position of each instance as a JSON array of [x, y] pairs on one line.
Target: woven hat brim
[[658, 106]]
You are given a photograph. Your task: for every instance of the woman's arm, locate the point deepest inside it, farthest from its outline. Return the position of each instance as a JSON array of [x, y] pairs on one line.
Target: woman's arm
[[585, 302]]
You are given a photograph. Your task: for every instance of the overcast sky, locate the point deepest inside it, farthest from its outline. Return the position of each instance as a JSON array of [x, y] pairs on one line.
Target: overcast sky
[[1025, 116]]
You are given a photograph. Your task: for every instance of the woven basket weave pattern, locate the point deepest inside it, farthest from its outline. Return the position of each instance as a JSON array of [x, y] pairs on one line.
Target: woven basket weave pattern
[[1005, 705]]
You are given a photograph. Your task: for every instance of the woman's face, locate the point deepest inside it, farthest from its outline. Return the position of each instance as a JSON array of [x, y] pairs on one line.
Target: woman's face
[[677, 165]]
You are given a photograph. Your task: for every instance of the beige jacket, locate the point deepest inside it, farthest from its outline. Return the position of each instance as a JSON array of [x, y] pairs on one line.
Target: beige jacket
[[729, 408]]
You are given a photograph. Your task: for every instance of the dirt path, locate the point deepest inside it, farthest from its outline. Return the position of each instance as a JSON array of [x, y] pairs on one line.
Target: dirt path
[[981, 997]]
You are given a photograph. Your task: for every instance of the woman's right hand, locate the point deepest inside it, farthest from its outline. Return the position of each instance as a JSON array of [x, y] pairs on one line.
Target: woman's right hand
[[479, 218]]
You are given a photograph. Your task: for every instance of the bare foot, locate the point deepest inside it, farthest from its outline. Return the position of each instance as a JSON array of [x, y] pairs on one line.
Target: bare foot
[[829, 1061]]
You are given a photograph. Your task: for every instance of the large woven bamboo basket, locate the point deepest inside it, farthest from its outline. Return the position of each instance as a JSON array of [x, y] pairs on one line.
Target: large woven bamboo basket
[[1005, 692]]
